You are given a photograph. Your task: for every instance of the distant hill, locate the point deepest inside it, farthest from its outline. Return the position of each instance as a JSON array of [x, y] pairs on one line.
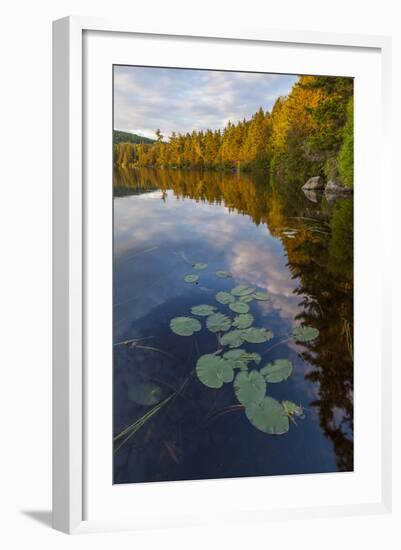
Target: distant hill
[[126, 137]]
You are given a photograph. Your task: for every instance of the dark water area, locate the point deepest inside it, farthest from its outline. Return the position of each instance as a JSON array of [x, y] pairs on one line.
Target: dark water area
[[298, 249]]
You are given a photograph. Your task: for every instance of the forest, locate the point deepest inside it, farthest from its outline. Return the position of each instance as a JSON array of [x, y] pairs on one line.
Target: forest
[[307, 133]]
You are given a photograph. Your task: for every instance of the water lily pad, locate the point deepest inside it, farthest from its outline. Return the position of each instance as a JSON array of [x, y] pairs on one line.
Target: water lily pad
[[257, 335], [242, 355], [214, 371], [242, 290], [223, 274], [145, 394], [239, 307], [269, 416], [243, 320], [185, 326], [252, 356], [200, 267], [292, 408], [246, 299], [262, 296], [249, 387], [191, 278], [277, 371], [305, 333], [233, 339], [225, 298], [234, 356], [203, 310], [218, 322]]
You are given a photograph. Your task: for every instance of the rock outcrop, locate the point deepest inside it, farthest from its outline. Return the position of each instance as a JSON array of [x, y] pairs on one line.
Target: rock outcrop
[[335, 187], [313, 184]]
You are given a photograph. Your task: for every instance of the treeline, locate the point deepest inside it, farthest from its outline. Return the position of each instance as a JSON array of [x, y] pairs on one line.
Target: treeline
[[309, 132], [127, 137]]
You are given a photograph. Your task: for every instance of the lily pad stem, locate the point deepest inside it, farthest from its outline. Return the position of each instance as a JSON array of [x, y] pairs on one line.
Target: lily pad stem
[[133, 340], [277, 344]]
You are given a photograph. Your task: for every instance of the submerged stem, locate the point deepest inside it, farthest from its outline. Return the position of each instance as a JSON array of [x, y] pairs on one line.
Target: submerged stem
[[132, 340], [137, 425], [277, 344]]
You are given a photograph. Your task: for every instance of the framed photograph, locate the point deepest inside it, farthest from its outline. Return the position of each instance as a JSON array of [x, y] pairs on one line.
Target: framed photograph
[[220, 347]]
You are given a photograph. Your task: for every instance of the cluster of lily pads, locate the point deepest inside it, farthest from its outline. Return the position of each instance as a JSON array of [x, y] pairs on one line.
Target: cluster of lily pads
[[231, 362]]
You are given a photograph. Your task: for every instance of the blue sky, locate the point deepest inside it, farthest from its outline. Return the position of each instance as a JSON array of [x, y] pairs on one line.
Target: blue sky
[[182, 100]]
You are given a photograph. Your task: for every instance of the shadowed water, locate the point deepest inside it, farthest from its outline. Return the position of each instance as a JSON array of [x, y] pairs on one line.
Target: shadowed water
[[296, 248]]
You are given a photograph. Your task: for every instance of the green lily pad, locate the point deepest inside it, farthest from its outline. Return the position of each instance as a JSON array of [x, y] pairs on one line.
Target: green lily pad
[[223, 274], [249, 387], [191, 278], [243, 320], [292, 408], [214, 371], [234, 356], [305, 333], [262, 296], [185, 326], [203, 310], [200, 267], [233, 339], [218, 322], [145, 394], [242, 290], [243, 356], [252, 356], [246, 299], [225, 298], [269, 416], [277, 371], [257, 335], [239, 307]]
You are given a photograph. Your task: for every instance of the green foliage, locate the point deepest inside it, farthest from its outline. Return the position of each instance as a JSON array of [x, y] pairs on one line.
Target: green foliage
[[233, 339], [218, 322], [223, 274], [277, 371], [257, 335], [214, 371], [191, 278], [242, 290], [244, 320], [199, 267], [249, 387], [262, 296], [145, 393], [309, 132], [341, 241], [225, 297], [305, 333], [127, 137], [203, 310], [239, 307], [185, 326], [346, 154], [268, 416]]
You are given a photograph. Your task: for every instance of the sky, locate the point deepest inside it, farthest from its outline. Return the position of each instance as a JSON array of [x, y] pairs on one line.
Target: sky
[[182, 100]]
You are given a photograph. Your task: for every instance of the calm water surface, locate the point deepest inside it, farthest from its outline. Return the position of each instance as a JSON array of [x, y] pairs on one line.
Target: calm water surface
[[297, 248]]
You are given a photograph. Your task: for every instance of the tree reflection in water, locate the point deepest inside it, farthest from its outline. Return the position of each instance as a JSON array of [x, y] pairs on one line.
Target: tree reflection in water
[[317, 235]]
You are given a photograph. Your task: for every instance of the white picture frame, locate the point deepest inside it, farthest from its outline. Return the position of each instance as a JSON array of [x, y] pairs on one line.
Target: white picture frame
[[71, 419]]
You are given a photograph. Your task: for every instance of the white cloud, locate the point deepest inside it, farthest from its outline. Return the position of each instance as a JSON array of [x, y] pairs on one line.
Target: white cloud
[[182, 100]]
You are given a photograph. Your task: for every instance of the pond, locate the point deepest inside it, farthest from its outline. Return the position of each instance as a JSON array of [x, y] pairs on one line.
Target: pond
[[297, 252]]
